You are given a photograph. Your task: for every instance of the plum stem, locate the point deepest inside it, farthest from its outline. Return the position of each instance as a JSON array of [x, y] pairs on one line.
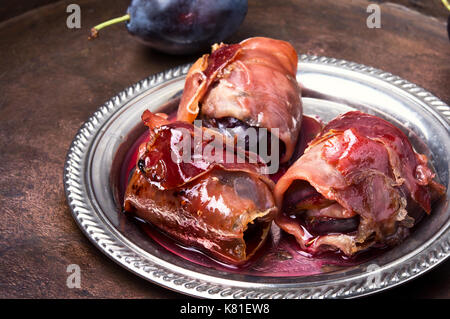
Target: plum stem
[[94, 30], [446, 4]]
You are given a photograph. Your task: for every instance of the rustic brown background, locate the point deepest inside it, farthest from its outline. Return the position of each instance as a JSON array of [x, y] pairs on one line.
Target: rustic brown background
[[52, 79]]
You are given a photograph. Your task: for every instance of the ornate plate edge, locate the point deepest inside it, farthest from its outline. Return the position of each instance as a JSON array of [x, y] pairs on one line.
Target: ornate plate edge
[[91, 224]]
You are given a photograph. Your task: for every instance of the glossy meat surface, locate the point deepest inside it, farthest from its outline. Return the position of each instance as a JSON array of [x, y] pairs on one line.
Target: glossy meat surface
[[253, 81], [224, 209], [359, 165], [179, 152], [407, 166]]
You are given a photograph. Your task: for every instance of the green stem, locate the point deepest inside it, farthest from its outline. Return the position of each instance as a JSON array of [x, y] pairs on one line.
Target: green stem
[[94, 30], [446, 4]]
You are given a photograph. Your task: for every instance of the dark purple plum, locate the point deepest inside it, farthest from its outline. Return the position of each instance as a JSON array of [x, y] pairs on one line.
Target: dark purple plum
[[448, 27], [182, 26], [326, 226]]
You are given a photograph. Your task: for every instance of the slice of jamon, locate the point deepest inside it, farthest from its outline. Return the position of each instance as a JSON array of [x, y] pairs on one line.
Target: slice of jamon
[[179, 152], [350, 190], [213, 203], [250, 84]]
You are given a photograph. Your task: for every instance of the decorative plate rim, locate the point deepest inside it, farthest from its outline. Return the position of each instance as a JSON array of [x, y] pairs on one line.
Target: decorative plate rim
[[102, 236]]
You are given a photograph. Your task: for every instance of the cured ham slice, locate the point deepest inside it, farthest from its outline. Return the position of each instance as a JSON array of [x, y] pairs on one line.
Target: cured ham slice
[[203, 199], [356, 186], [250, 84]]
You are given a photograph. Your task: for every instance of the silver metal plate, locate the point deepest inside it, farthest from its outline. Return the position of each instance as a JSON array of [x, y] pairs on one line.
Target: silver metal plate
[[330, 87]]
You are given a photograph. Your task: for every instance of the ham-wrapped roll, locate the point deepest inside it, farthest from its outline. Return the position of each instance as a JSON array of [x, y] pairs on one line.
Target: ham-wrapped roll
[[205, 199], [250, 84], [358, 184]]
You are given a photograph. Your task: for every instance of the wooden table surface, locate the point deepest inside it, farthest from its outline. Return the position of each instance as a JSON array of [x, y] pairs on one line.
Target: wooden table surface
[[52, 79]]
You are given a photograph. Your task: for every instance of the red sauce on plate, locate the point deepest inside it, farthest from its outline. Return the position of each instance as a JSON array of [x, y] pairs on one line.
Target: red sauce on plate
[[280, 256]]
